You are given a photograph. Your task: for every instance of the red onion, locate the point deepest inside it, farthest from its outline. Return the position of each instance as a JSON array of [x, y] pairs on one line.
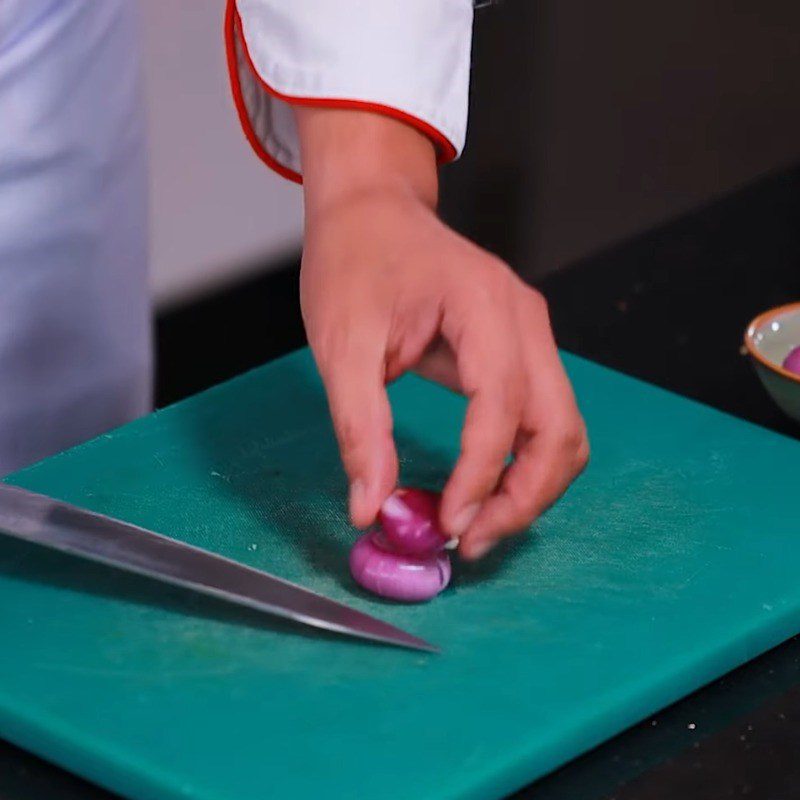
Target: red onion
[[792, 361], [403, 559], [397, 576], [410, 521]]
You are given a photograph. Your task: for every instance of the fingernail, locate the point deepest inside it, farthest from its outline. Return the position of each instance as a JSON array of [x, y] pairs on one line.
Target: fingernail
[[451, 544], [464, 518]]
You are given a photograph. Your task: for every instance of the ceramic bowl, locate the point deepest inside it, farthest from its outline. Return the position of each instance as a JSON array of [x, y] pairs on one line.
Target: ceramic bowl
[[768, 339]]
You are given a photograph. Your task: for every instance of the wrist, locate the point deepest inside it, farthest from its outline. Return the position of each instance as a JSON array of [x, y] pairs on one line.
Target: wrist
[[348, 154]]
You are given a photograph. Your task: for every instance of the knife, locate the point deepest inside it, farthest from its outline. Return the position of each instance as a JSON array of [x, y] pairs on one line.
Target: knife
[[59, 526]]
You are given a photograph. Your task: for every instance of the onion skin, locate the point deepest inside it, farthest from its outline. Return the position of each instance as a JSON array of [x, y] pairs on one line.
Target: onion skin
[[397, 576], [409, 519], [792, 361]]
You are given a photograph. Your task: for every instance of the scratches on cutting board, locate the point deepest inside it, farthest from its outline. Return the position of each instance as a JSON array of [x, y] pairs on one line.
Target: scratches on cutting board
[[210, 671]]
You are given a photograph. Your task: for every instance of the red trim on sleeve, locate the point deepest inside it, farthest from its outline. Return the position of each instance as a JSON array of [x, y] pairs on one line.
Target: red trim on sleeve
[[445, 149], [231, 18]]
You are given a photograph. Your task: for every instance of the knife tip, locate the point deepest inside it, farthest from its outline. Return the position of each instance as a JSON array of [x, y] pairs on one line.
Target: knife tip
[[418, 644]]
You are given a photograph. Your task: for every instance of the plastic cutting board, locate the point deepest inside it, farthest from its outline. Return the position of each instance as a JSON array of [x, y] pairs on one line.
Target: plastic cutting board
[[673, 559]]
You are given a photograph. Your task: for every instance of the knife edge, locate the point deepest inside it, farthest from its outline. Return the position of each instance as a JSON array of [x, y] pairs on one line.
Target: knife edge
[[93, 536]]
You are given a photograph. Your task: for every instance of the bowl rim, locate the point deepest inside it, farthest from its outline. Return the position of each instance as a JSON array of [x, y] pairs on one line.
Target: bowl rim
[[757, 322]]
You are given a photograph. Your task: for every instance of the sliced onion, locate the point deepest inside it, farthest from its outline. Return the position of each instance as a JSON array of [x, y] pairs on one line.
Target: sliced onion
[[410, 521], [792, 361], [395, 575]]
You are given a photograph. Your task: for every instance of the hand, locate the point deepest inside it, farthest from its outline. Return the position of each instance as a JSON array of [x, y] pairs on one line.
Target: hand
[[386, 287]]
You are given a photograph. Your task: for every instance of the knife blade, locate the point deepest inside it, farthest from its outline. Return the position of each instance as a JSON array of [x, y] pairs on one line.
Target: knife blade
[[60, 526]]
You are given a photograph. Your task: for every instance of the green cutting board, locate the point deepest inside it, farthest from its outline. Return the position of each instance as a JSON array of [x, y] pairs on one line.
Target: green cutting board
[[672, 560]]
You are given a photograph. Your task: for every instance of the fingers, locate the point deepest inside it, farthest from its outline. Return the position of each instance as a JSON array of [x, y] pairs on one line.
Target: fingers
[[489, 370], [362, 419], [438, 364], [487, 438], [551, 445], [543, 469]]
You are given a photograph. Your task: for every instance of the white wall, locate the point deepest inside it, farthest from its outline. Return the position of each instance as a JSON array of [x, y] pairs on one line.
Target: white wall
[[217, 211]]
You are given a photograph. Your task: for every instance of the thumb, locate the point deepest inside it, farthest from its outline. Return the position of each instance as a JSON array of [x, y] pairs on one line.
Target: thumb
[[362, 419]]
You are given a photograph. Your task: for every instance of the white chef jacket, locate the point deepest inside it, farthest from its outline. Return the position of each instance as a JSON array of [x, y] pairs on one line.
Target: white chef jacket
[[74, 315], [408, 59], [75, 343]]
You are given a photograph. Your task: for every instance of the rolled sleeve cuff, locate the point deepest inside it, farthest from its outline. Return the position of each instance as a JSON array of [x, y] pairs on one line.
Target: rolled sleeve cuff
[[407, 60]]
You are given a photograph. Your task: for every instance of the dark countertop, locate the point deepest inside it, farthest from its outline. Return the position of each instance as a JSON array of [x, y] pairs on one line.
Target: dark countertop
[[669, 307]]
